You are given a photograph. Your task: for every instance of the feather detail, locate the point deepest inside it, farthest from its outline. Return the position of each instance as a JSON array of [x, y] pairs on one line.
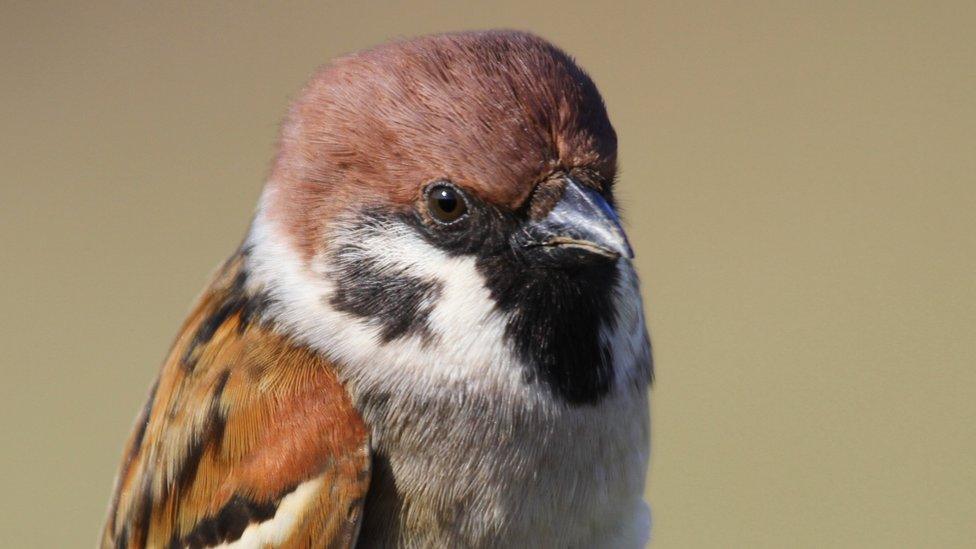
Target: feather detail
[[245, 436]]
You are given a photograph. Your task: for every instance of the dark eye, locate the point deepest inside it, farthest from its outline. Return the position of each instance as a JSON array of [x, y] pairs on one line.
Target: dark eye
[[445, 203]]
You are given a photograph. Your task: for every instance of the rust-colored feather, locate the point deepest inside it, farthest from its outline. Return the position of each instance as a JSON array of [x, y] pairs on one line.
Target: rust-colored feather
[[495, 112], [239, 418]]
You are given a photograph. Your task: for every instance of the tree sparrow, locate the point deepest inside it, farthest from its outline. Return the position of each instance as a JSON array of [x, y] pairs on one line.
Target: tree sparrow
[[432, 334]]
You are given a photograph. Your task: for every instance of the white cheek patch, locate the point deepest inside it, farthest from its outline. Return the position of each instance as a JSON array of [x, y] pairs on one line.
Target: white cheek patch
[[466, 326], [464, 343]]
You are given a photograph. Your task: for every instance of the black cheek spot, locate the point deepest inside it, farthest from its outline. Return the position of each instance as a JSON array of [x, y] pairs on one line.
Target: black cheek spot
[[400, 304]]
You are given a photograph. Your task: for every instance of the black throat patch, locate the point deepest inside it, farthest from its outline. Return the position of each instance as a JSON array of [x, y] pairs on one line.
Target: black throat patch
[[555, 317], [555, 312]]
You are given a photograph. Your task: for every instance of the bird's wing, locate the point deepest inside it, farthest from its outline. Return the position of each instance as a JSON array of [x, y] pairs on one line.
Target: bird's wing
[[245, 438]]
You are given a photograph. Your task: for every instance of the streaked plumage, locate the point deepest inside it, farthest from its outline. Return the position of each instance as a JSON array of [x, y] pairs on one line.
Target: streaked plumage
[[234, 403], [375, 366]]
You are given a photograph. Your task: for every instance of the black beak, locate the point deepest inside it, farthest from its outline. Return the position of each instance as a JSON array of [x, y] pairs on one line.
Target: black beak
[[582, 224]]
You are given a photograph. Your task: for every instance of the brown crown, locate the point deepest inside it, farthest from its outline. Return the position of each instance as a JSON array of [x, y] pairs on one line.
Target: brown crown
[[495, 112]]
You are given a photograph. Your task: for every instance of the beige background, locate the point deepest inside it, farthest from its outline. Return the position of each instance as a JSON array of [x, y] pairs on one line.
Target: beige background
[[799, 179]]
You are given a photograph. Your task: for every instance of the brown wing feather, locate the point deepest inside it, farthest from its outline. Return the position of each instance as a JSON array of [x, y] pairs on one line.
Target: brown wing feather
[[238, 420]]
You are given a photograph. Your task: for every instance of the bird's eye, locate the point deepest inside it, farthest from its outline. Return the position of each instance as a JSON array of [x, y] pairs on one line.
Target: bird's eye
[[446, 204]]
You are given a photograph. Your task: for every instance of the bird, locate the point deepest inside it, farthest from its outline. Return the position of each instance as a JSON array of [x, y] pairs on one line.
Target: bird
[[432, 333]]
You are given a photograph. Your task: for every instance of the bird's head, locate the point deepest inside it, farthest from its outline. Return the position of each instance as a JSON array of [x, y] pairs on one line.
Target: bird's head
[[444, 206]]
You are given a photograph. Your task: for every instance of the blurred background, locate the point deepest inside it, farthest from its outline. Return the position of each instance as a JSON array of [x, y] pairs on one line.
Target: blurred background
[[799, 180]]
